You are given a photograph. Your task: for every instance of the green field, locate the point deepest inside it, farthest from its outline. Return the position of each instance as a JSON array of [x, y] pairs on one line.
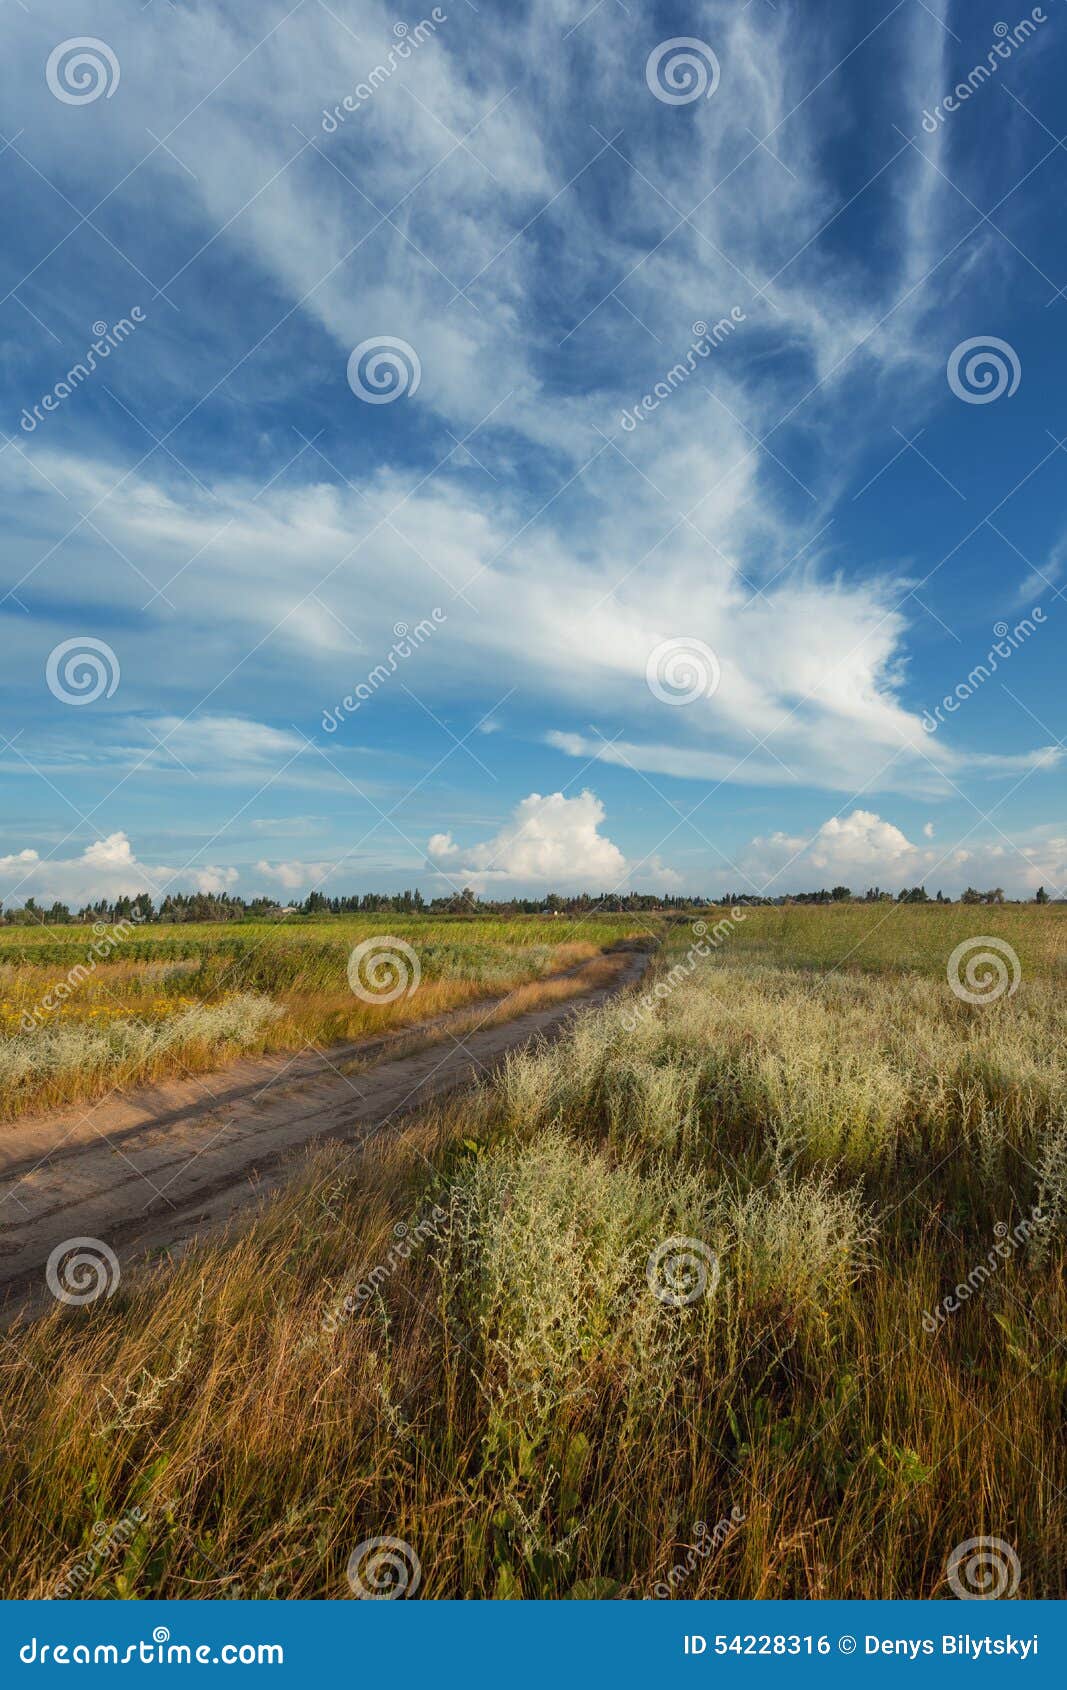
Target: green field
[[894, 938]]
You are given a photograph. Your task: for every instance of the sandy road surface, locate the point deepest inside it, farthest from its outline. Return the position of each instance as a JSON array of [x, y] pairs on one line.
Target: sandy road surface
[[160, 1167]]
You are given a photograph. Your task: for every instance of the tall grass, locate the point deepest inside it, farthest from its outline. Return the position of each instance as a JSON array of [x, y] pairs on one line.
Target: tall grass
[[69, 1059], [512, 1393], [124, 1021]]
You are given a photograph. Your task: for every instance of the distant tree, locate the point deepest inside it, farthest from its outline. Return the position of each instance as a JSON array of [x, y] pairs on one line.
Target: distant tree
[[463, 903], [1041, 896], [840, 893]]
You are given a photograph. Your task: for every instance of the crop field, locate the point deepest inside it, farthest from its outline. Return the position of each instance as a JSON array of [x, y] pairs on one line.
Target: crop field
[[750, 1286], [168, 999]]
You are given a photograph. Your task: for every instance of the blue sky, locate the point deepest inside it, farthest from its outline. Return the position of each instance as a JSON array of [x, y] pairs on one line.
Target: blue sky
[[688, 646]]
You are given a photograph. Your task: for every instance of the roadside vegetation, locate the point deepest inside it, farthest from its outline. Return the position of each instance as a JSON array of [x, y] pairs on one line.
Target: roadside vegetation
[[166, 1000], [752, 1286]]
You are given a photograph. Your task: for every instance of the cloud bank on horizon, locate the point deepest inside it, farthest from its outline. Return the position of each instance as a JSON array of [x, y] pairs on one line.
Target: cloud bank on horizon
[[556, 843], [429, 443]]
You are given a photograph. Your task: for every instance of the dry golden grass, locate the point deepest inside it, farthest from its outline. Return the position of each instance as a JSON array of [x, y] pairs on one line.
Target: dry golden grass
[[504, 1392], [130, 1023]]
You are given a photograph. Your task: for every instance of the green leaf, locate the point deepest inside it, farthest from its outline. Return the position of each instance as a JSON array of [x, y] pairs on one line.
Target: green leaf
[[507, 1588], [594, 1590]]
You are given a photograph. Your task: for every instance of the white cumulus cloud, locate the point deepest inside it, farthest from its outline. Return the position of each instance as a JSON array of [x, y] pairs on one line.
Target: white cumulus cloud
[[108, 868], [863, 849], [550, 841]]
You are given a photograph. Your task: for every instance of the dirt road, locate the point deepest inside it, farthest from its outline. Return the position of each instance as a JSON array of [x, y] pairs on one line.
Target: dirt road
[[156, 1169]]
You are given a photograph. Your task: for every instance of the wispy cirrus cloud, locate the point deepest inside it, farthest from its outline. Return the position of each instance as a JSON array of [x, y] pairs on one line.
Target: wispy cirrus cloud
[[248, 534]]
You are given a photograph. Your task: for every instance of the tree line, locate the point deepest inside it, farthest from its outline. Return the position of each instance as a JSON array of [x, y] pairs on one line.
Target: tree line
[[227, 906]]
